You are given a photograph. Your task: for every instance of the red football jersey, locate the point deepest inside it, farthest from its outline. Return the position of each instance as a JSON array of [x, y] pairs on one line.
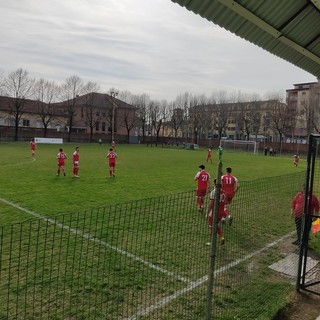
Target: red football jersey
[[33, 145], [76, 156], [111, 156], [229, 184], [298, 204], [61, 157], [222, 202], [203, 178]]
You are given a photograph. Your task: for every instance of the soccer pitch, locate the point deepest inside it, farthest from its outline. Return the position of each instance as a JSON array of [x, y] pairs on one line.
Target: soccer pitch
[[135, 253], [141, 172]]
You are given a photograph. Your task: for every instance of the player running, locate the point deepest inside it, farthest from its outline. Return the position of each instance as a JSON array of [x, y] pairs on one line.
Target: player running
[[221, 212], [112, 156], [61, 161], [296, 160], [203, 179], [209, 156], [230, 185]]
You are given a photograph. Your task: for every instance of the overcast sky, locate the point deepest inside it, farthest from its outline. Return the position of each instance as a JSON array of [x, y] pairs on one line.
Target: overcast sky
[[154, 47]]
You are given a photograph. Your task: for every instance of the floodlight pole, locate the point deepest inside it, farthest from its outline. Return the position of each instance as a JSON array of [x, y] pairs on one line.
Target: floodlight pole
[[213, 246], [114, 94]]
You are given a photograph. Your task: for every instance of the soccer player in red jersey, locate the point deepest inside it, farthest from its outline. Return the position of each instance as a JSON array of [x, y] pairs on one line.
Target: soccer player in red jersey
[[75, 159], [230, 185], [112, 156], [296, 159], [221, 212], [203, 179], [33, 147], [61, 161], [297, 206], [209, 156]]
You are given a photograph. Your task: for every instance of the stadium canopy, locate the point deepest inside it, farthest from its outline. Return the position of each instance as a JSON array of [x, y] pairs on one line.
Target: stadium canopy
[[289, 29]]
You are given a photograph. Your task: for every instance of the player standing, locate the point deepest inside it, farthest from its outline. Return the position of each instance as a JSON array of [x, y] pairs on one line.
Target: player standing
[[230, 185], [209, 156], [203, 179], [33, 147], [297, 211], [112, 156], [61, 161], [75, 159], [221, 212], [113, 145]]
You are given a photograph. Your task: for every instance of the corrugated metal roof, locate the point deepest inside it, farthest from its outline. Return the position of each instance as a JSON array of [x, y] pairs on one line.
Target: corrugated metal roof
[[289, 29]]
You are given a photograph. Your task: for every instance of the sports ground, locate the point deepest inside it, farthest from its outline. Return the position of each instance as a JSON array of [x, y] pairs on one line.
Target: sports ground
[[30, 189]]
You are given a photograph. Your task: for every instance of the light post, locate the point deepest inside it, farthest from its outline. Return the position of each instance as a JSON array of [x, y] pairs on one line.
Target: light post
[[114, 94]]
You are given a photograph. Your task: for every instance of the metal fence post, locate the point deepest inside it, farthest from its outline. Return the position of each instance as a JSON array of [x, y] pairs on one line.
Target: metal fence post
[[213, 246]]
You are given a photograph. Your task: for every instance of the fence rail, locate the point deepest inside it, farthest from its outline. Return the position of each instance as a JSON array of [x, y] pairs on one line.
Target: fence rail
[[148, 259]]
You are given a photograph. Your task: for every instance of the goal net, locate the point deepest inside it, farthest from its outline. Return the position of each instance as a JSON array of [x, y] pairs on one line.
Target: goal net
[[249, 146]]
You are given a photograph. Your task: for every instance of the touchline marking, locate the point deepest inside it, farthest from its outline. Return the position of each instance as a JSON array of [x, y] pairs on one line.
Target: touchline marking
[[105, 244], [197, 283], [18, 164]]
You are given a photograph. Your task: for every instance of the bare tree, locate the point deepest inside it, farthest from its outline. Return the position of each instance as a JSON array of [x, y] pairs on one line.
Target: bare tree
[[280, 119], [46, 93], [129, 121], [175, 119], [126, 96], [251, 118], [141, 103], [2, 78], [70, 91], [182, 101], [157, 115], [196, 117], [91, 116], [18, 86], [222, 113]]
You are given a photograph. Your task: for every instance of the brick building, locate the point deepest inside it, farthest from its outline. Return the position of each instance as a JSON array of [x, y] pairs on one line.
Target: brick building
[[93, 114]]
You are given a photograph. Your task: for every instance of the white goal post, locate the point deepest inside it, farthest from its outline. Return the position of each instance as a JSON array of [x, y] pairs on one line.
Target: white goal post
[[250, 146]]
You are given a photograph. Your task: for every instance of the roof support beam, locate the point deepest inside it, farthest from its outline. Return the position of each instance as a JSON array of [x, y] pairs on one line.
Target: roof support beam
[[249, 16]]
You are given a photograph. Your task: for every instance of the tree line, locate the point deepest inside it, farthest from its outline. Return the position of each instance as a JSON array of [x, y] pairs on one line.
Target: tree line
[[192, 116]]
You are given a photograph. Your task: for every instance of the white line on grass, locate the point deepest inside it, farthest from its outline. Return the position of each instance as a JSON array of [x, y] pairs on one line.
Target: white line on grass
[[105, 244], [202, 280], [17, 164]]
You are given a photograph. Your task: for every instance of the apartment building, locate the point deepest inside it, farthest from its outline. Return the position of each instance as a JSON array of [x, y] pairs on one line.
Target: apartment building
[[304, 104]]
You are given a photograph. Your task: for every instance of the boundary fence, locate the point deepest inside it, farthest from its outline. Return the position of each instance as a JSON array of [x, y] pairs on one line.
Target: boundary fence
[[310, 244], [148, 259]]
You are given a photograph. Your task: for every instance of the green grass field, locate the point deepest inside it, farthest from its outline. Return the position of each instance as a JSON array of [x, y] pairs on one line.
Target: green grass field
[[142, 172], [103, 263]]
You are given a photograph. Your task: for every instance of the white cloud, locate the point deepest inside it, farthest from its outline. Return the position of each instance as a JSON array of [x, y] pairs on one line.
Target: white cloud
[[154, 47]]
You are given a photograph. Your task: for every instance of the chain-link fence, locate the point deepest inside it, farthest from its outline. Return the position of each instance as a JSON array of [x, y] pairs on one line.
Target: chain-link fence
[[148, 259], [308, 224]]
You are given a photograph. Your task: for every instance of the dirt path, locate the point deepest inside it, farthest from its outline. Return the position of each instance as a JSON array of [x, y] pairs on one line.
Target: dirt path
[[306, 306]]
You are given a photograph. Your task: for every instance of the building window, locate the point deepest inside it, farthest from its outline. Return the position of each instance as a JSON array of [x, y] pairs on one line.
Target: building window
[[26, 123], [97, 113], [103, 126], [97, 126]]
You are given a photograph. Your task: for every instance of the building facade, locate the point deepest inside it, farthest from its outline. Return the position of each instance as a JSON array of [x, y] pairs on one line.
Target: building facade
[[93, 114], [304, 104]]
